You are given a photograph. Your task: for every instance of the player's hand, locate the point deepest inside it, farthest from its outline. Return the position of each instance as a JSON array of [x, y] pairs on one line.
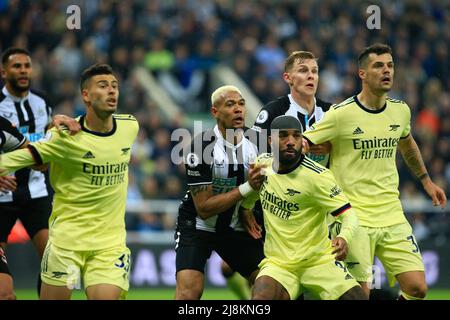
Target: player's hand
[[340, 248], [305, 146], [256, 176], [320, 149], [61, 120], [436, 194], [8, 183], [251, 226]]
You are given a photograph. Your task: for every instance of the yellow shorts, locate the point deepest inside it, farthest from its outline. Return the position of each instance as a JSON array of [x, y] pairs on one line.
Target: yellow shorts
[[358, 261], [396, 248], [327, 279], [61, 267]]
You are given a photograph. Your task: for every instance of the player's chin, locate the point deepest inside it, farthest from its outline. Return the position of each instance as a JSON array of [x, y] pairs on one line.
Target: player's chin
[[289, 156]]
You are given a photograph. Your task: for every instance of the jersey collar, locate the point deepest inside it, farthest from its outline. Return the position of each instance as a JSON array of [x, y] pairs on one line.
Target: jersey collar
[[299, 107], [101, 134], [367, 109], [225, 142], [13, 97]]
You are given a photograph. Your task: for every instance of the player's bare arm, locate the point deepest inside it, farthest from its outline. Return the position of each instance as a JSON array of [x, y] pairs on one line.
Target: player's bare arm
[[413, 159], [316, 149], [208, 204]]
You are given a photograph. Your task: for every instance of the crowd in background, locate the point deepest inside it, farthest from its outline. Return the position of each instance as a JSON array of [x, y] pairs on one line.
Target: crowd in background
[[180, 41]]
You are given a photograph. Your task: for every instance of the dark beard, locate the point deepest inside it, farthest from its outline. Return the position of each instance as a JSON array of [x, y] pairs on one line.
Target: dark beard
[[15, 86], [287, 162]]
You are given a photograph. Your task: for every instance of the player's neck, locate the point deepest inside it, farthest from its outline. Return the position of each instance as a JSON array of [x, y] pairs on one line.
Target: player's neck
[[15, 93], [96, 124], [372, 100], [234, 136], [306, 102]]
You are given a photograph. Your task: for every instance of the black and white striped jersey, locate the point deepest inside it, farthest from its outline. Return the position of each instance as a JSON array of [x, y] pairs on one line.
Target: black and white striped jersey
[[10, 137], [286, 105], [31, 115], [213, 160]]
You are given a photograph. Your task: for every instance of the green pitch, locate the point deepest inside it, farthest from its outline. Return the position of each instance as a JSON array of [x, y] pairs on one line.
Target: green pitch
[[210, 294]]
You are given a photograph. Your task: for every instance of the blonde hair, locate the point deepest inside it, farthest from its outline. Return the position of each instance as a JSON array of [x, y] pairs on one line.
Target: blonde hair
[[218, 93]]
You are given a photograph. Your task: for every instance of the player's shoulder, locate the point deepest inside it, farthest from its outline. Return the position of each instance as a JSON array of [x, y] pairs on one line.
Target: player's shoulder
[[312, 167], [399, 104], [125, 117], [278, 102], [204, 139], [324, 105], [271, 110], [392, 100], [127, 120], [39, 96], [344, 105]]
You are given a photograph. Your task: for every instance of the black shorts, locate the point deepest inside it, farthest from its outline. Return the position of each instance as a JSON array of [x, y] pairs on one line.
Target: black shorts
[[194, 247], [3, 263], [33, 214]]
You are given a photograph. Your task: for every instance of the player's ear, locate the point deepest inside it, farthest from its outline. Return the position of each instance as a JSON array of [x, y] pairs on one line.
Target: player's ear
[[287, 78], [84, 95], [362, 74], [214, 111]]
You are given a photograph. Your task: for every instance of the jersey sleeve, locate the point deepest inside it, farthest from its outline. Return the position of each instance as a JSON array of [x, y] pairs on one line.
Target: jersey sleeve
[[10, 137], [324, 130], [328, 194], [15, 160], [261, 127], [407, 129], [198, 161], [49, 149]]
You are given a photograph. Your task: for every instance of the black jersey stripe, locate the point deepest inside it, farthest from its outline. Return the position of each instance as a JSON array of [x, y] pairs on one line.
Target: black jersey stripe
[[314, 165], [306, 165], [36, 156], [31, 120], [341, 210], [20, 114], [344, 103]]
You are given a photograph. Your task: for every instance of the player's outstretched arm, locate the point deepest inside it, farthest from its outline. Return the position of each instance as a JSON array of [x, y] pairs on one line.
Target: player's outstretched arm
[[15, 160], [413, 159]]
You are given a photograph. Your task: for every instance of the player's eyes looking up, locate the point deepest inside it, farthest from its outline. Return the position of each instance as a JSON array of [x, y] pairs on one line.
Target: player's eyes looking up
[[231, 103], [104, 84]]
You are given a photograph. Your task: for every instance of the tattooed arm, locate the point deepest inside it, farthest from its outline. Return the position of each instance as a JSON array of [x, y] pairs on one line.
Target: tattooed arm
[[208, 204], [413, 159]]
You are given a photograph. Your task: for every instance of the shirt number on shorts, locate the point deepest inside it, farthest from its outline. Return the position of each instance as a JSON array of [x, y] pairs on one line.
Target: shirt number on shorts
[[124, 262], [413, 241]]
